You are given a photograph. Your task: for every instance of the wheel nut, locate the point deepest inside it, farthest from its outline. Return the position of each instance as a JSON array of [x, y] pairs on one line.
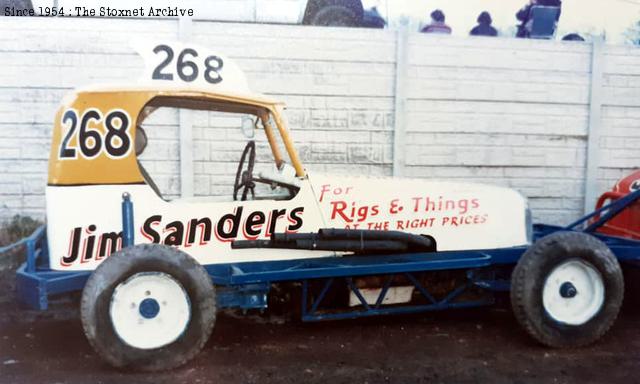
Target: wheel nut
[[568, 290]]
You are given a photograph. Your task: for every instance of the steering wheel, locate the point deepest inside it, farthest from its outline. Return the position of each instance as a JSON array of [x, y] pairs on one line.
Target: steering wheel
[[244, 178]]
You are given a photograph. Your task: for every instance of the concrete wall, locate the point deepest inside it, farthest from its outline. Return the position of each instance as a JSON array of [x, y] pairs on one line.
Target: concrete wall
[[620, 142], [502, 111]]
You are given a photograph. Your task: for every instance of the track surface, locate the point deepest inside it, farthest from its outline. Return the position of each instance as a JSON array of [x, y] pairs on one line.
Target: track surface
[[467, 346]]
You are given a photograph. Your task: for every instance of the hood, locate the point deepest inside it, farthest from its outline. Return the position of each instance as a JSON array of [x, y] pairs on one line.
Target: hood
[[458, 215]]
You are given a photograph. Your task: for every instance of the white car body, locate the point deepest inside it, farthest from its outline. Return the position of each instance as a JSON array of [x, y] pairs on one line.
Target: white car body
[[460, 216], [84, 195]]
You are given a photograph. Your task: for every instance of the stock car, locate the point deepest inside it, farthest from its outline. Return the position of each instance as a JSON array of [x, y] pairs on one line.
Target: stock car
[[153, 271]]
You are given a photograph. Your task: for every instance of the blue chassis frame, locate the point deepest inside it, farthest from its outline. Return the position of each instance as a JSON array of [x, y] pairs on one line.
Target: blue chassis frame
[[246, 285]]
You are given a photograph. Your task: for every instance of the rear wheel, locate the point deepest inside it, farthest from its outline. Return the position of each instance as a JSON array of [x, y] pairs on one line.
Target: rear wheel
[[567, 289], [148, 307], [335, 16]]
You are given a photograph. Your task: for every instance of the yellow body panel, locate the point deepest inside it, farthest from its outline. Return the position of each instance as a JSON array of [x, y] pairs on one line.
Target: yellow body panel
[[100, 169], [105, 169]]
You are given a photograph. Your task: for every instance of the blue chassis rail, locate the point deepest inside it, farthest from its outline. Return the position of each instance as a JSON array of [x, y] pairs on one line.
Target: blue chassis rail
[[245, 285]]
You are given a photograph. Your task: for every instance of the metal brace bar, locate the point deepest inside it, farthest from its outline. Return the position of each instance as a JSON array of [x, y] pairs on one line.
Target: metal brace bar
[[614, 208], [453, 294], [383, 292], [31, 261], [356, 291], [422, 290], [316, 304]]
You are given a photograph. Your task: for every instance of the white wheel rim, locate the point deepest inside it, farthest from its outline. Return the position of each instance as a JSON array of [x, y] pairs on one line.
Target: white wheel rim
[[149, 310], [573, 292]]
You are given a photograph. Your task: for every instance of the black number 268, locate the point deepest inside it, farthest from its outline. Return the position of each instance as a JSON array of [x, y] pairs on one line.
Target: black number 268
[[186, 69], [91, 141]]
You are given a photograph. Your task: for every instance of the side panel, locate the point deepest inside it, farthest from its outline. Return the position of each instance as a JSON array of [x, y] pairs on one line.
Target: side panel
[[93, 139], [84, 224], [460, 216]]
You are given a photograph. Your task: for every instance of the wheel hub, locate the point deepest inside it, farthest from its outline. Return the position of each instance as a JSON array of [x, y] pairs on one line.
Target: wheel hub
[[150, 310], [573, 293], [568, 290]]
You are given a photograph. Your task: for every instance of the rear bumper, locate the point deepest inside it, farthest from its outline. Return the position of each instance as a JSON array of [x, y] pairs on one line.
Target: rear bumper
[[35, 282], [35, 288]]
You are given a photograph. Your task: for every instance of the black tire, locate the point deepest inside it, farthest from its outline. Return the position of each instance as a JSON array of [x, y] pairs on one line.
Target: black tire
[[335, 16], [530, 276], [96, 301]]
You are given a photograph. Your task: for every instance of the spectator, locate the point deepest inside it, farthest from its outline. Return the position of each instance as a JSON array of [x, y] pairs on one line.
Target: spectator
[[550, 3], [524, 14], [573, 37], [372, 19], [484, 27], [437, 24]]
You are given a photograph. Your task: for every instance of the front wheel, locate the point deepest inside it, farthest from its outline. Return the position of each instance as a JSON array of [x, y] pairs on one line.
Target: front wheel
[[567, 289], [148, 307]]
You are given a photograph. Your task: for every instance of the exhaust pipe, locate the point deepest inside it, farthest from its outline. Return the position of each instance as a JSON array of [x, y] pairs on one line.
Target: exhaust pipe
[[345, 240]]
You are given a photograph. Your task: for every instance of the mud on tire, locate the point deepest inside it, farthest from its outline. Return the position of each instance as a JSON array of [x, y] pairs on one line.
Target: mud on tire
[[169, 264], [561, 263]]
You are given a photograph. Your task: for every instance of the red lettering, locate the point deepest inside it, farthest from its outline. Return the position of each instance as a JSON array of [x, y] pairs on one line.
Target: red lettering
[[416, 203], [337, 208], [325, 188]]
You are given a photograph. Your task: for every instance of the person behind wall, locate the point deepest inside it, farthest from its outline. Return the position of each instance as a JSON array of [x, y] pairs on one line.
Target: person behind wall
[[484, 27], [372, 19], [573, 37], [524, 14], [437, 24]]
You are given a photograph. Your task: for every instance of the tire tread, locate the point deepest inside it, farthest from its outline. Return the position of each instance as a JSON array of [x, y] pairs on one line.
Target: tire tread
[[527, 268], [87, 307]]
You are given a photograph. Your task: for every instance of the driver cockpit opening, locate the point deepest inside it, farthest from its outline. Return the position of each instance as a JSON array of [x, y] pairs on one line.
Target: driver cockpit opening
[[232, 159]]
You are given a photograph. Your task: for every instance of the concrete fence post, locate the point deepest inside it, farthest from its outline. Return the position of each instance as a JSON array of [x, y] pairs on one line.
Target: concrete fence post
[[400, 99], [185, 25], [595, 122]]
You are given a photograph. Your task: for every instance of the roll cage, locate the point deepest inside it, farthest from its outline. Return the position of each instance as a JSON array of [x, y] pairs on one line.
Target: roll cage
[[101, 111]]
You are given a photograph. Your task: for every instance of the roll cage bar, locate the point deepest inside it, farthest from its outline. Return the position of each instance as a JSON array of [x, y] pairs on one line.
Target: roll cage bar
[[136, 102], [262, 112]]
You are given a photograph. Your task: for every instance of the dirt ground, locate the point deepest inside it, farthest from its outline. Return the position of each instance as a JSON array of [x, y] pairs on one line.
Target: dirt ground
[[483, 345]]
